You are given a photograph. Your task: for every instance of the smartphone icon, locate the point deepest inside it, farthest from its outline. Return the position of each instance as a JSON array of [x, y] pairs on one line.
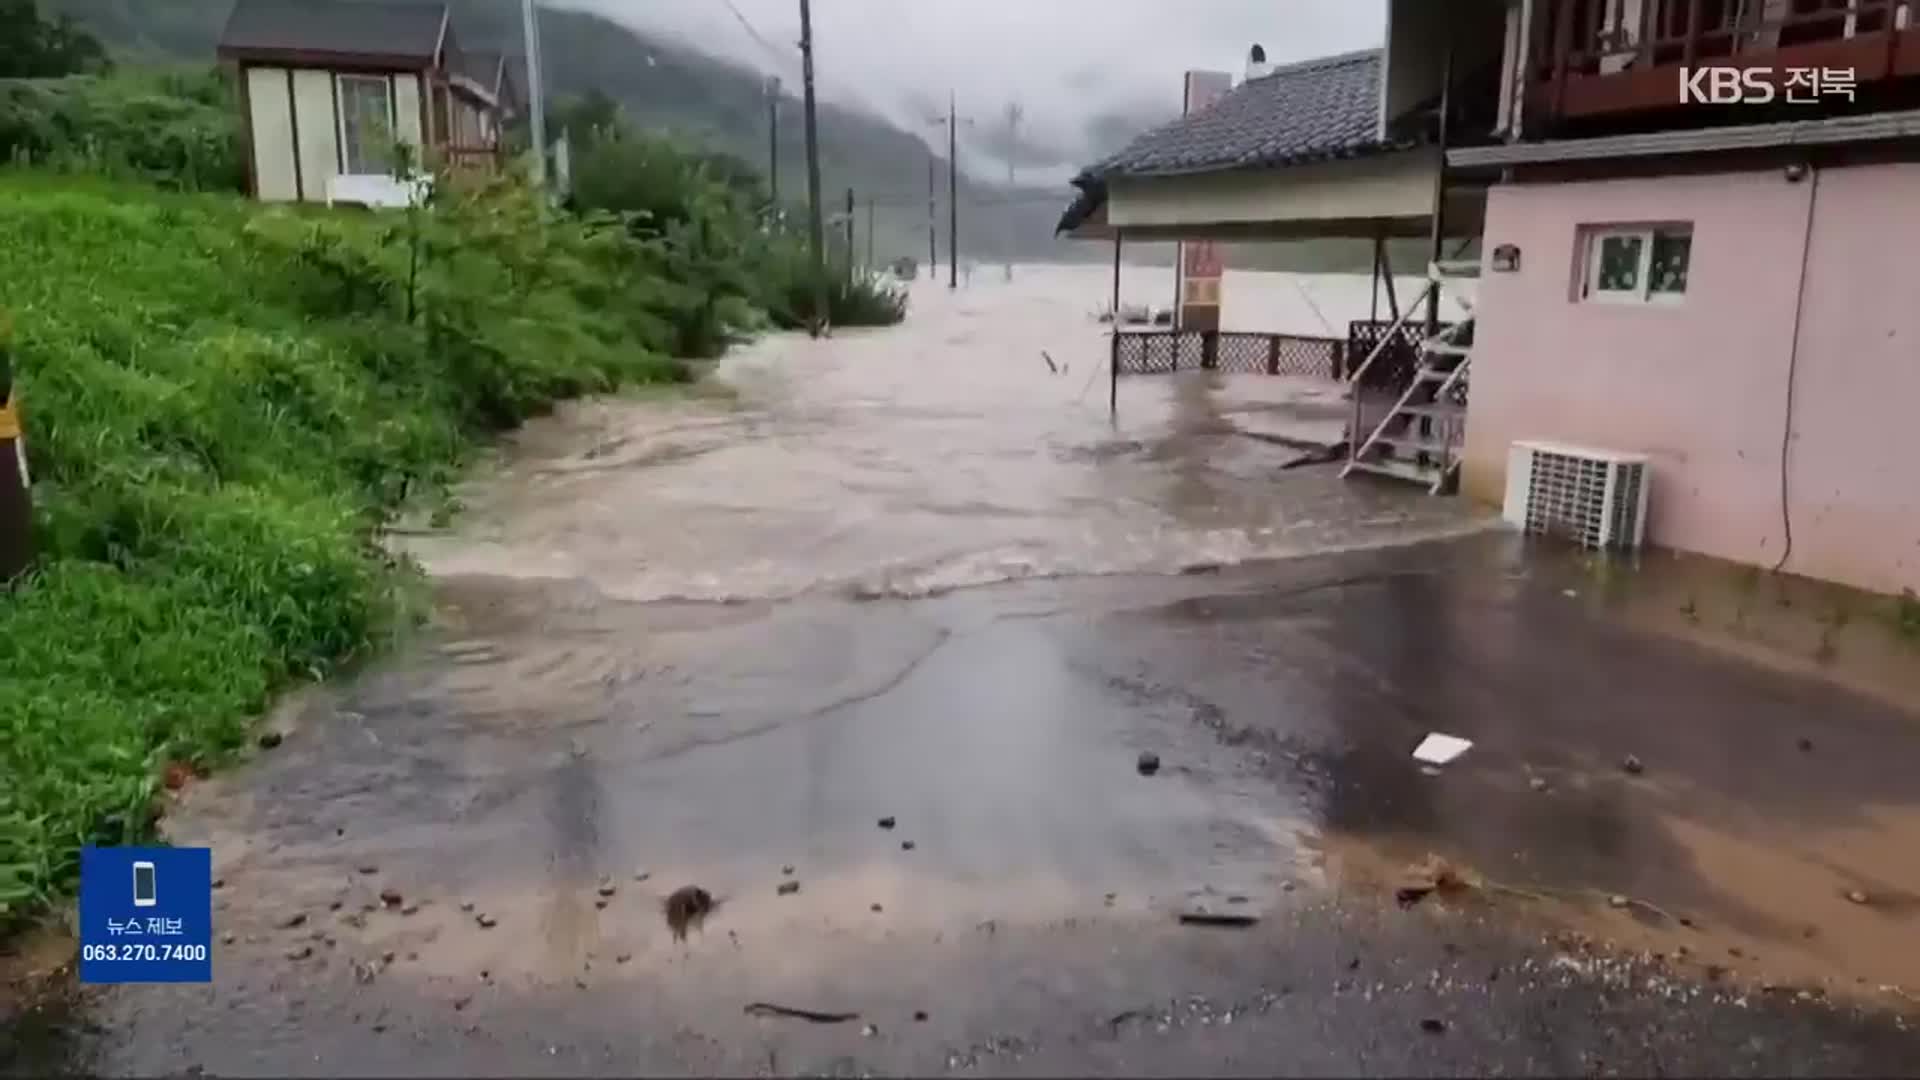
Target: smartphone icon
[[144, 892]]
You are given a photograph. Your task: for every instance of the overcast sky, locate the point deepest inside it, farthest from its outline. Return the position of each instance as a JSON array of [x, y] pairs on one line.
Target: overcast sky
[[1084, 71]]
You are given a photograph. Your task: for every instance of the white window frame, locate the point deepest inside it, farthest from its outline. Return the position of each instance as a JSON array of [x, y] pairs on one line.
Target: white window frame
[[341, 80], [1643, 294]]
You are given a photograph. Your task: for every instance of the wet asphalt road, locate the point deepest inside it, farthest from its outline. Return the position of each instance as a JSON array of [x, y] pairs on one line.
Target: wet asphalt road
[[1033, 920], [913, 577]]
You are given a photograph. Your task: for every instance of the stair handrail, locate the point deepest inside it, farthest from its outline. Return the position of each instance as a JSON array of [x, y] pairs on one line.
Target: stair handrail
[[1356, 448], [1387, 339]]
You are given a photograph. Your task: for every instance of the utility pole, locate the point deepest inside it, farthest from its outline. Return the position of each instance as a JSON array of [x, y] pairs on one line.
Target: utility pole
[[869, 232], [536, 91], [1014, 115], [816, 232], [850, 237], [933, 212], [953, 121], [953, 193], [773, 141]]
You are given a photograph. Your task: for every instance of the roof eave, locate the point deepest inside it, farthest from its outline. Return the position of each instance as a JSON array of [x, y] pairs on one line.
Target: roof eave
[[440, 38], [1830, 131], [324, 58], [470, 86], [1276, 165]]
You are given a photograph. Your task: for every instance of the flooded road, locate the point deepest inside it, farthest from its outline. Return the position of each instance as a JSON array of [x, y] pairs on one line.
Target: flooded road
[[869, 647], [945, 454]]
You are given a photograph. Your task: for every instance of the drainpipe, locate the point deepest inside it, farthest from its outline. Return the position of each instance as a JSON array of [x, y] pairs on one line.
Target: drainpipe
[[1795, 176]]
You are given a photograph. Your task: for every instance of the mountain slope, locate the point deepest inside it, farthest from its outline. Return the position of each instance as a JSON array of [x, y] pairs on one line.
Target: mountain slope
[[665, 84]]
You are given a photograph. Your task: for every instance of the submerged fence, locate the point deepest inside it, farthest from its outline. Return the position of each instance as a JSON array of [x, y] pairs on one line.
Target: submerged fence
[[1162, 352]]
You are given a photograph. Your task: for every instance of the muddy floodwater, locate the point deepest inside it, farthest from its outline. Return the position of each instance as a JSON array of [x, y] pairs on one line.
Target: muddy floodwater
[[850, 661], [973, 446]]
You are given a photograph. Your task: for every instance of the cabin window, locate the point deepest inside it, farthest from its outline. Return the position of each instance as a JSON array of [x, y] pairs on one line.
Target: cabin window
[[366, 124], [1636, 265]]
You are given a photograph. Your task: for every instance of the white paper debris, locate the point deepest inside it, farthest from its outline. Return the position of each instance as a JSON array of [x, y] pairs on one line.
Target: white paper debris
[[1438, 749]]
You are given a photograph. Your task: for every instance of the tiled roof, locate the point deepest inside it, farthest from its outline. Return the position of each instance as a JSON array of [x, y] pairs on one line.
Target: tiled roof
[[1310, 111], [386, 28], [1085, 208]]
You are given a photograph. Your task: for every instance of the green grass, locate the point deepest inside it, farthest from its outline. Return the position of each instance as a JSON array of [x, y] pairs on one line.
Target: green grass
[[223, 402]]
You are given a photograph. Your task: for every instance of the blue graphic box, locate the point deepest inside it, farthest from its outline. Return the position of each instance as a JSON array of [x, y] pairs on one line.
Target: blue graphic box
[[146, 915]]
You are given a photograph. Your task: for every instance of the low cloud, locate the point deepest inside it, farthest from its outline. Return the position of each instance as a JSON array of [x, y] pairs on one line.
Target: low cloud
[[1088, 74]]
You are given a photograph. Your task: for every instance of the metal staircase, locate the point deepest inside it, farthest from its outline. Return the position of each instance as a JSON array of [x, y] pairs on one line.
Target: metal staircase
[[1420, 436]]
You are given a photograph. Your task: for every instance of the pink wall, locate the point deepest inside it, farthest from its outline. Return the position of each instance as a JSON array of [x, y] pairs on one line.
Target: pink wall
[[1702, 386]]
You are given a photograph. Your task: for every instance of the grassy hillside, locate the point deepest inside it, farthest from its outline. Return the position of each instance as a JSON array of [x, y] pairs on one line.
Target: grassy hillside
[[663, 84], [223, 401]]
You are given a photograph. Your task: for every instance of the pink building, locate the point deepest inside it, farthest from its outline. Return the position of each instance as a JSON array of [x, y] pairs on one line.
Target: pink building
[[1699, 268], [1770, 385], [1729, 289]]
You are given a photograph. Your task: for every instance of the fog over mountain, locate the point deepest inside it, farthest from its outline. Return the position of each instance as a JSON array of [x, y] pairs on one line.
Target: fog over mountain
[[1088, 74]]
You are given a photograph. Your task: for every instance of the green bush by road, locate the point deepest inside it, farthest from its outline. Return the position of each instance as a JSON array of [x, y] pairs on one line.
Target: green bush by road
[[222, 403]]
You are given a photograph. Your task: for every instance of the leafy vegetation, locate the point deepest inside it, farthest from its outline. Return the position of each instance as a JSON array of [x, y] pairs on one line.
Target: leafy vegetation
[[709, 208], [32, 47], [175, 128], [226, 400], [223, 403]]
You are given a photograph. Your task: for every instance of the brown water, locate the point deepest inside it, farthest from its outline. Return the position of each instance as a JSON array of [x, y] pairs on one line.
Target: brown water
[[938, 455]]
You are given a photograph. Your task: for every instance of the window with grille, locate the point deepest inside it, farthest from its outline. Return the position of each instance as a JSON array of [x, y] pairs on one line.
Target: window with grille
[[1636, 265]]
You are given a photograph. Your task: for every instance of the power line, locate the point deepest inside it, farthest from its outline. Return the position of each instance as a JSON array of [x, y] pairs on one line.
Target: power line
[[747, 25], [787, 60], [918, 202]]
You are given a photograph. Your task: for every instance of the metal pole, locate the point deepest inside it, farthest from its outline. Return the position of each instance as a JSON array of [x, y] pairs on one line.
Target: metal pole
[[1113, 340], [1440, 184], [850, 234], [536, 91], [1013, 142], [773, 142], [1379, 242], [816, 230], [953, 192], [869, 232]]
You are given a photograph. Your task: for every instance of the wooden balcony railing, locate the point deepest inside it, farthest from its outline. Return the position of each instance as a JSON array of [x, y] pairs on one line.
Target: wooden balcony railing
[[472, 158], [1592, 57]]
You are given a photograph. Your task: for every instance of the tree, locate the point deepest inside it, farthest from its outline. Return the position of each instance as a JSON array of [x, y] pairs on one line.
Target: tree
[[35, 48], [588, 119]]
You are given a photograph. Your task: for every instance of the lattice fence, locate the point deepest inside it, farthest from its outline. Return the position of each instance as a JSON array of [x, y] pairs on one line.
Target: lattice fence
[[1161, 352], [1395, 367]]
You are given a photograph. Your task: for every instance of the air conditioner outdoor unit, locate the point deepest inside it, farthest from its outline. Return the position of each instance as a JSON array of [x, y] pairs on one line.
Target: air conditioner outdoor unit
[[1596, 498]]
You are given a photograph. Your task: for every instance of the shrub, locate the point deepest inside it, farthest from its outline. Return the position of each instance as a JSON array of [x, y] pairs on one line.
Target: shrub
[[857, 299], [177, 129], [223, 402], [708, 211]]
